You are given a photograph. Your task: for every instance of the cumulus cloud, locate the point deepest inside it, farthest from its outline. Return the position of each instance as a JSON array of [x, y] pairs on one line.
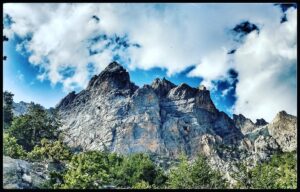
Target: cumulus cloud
[[172, 36], [86, 37], [267, 67], [212, 67]]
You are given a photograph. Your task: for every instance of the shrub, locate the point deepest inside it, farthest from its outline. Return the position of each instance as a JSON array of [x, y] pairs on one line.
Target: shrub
[[11, 148], [197, 175]]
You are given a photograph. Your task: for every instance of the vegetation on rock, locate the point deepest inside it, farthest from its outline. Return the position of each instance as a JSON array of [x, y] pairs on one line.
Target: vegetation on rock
[[31, 128], [11, 148], [197, 175], [279, 172]]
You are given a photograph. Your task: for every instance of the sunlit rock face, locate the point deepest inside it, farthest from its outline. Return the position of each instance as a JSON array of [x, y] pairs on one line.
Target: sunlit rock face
[[283, 129], [163, 118]]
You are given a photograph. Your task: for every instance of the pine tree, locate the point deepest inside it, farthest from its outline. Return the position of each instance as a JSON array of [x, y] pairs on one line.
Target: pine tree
[[7, 108], [31, 128]]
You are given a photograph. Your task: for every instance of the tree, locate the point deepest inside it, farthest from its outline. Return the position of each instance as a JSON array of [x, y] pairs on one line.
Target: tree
[[94, 169], [196, 175], [11, 148], [180, 176], [142, 185], [89, 170], [50, 150], [7, 108], [204, 177], [243, 176], [31, 128], [279, 172], [137, 168]]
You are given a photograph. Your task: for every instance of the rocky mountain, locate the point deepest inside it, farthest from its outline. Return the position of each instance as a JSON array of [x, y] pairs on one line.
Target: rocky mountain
[[20, 108], [160, 118], [167, 119], [245, 124]]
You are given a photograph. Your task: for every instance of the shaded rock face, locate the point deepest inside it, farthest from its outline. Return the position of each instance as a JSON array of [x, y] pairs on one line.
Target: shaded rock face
[[162, 87], [161, 118], [68, 99], [19, 174]]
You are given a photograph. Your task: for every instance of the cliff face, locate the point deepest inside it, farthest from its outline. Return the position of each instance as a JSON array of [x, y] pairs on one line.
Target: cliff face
[[164, 119], [161, 118]]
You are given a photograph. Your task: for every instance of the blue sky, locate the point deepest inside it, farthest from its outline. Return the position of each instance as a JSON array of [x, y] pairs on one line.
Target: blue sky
[[56, 48]]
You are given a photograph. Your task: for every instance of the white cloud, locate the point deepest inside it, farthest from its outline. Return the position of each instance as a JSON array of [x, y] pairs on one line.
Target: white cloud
[[267, 67], [212, 67], [172, 36]]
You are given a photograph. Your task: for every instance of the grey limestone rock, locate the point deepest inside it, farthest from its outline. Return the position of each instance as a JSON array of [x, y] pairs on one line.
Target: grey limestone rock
[[283, 129], [20, 174], [159, 118]]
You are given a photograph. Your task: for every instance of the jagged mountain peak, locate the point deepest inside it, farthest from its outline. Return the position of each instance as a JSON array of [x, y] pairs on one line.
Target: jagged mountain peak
[[261, 122], [283, 129], [162, 86], [114, 76], [239, 117], [114, 67], [282, 115], [182, 91]]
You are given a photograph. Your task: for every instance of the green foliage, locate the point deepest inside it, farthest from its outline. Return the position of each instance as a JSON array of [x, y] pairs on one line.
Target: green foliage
[[93, 170], [90, 170], [11, 148], [55, 180], [50, 150], [197, 175], [142, 185], [243, 177], [205, 177], [7, 108], [31, 128], [136, 168], [279, 172]]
